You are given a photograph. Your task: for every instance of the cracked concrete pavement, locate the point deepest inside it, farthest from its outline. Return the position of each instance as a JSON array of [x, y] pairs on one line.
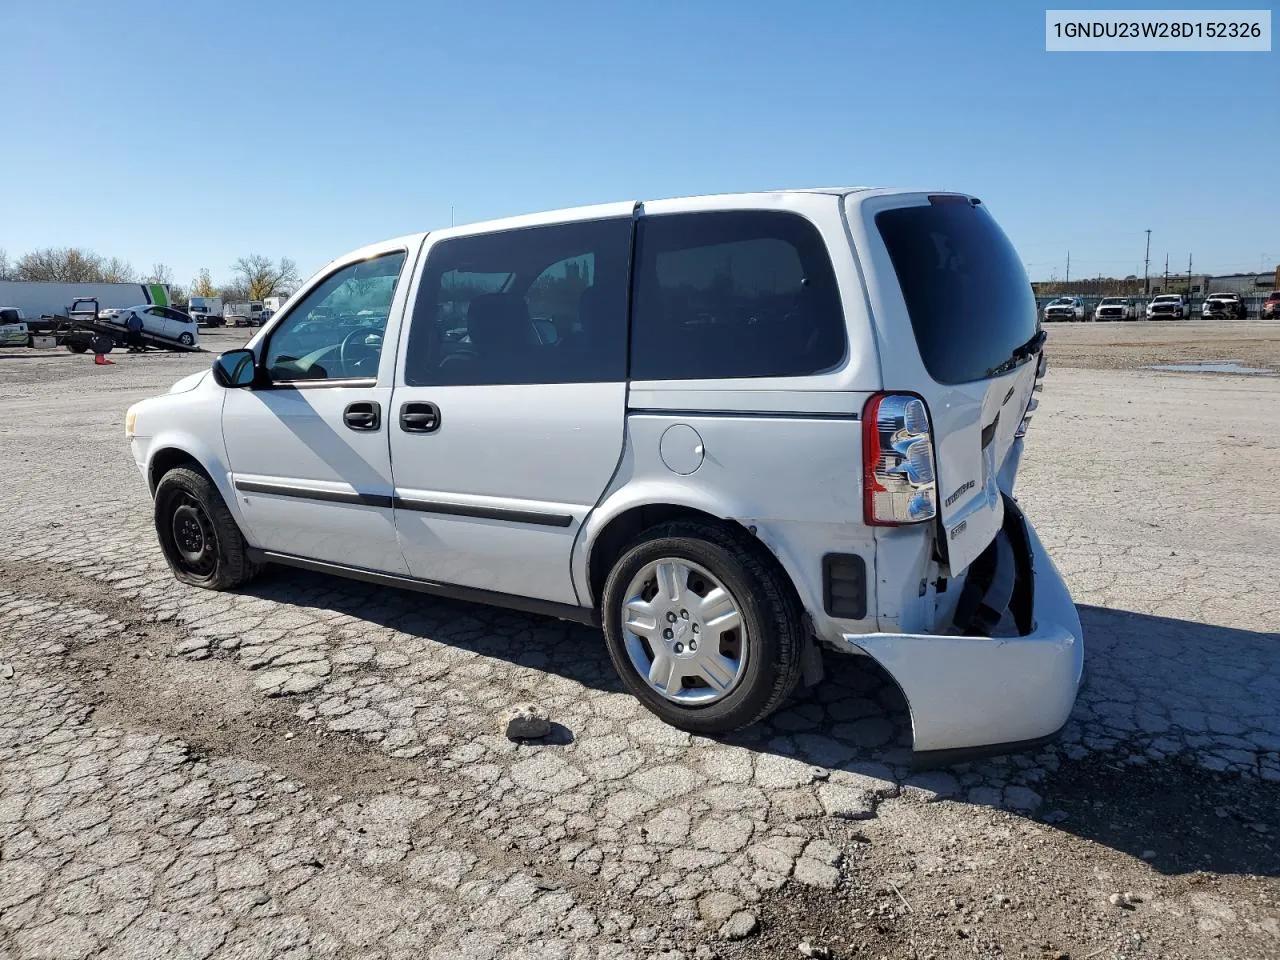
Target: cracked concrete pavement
[[313, 767]]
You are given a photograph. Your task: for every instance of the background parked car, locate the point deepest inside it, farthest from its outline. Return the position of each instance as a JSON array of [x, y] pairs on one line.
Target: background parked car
[[1116, 308], [164, 322], [1065, 308], [1220, 306], [13, 328], [1271, 306], [1168, 306]]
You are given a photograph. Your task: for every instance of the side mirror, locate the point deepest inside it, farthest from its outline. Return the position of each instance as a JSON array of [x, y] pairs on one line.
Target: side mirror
[[235, 368]]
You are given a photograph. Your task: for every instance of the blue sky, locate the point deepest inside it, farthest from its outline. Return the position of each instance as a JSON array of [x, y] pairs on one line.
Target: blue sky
[[192, 133]]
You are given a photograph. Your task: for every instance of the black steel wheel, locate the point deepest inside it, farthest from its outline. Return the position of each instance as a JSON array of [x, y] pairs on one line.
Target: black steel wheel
[[198, 535]]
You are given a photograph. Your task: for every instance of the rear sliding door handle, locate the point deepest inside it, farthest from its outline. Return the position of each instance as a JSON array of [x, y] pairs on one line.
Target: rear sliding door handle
[[363, 415], [418, 416]]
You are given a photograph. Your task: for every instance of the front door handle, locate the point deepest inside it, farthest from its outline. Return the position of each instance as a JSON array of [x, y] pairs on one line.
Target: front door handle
[[418, 416], [365, 415]]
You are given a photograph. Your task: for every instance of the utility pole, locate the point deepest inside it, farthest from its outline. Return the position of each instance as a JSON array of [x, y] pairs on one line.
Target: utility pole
[[1189, 277], [1068, 280], [1146, 267], [1166, 273]]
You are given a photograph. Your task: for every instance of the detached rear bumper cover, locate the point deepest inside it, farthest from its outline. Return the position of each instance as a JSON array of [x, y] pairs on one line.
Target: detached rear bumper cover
[[990, 694]]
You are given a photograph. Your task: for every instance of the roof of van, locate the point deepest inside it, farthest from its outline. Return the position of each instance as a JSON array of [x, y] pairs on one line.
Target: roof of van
[[614, 209], [621, 208]]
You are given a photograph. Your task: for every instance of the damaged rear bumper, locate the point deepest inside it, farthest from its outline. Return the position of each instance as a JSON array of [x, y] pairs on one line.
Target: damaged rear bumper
[[975, 695]]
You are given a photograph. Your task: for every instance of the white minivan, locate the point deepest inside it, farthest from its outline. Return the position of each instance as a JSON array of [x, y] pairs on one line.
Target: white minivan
[[730, 430]]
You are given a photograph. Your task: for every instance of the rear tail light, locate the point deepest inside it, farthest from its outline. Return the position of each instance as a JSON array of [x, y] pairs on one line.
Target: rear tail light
[[898, 484]]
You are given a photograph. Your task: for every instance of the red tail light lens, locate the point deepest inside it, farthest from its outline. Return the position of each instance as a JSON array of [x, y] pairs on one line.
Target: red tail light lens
[[898, 483]]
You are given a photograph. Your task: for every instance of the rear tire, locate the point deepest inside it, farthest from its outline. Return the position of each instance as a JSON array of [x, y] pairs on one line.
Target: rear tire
[[186, 339], [770, 642], [198, 536], [77, 347]]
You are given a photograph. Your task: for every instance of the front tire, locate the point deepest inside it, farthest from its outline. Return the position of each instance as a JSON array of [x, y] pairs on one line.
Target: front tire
[[198, 535], [703, 627], [186, 339]]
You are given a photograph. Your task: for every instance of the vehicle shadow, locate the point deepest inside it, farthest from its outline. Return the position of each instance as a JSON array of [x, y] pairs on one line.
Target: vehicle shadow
[[1166, 757]]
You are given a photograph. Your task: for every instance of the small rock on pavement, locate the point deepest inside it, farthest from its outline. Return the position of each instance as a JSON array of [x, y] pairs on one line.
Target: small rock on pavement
[[740, 926], [1126, 900], [6, 671], [527, 722], [816, 951]]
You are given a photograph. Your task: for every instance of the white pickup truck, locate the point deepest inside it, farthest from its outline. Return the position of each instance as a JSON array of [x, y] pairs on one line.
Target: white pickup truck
[[1168, 306], [13, 328]]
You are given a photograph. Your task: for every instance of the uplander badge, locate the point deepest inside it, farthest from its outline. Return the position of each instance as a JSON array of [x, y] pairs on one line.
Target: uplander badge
[[956, 496]]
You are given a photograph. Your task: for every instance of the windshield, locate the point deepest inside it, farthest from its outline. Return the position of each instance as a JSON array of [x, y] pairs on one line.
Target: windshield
[[1165, 300], [965, 288], [1111, 302], [1062, 302]]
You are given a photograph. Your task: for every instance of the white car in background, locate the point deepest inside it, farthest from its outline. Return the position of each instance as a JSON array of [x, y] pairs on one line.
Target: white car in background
[[1168, 306], [163, 322], [1115, 308], [13, 328], [1219, 306], [1065, 308]]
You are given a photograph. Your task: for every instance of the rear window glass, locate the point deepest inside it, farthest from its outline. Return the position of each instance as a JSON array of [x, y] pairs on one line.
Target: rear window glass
[[964, 285], [733, 294]]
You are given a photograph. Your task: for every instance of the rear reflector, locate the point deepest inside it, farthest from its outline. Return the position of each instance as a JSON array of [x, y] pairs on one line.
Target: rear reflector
[[898, 484]]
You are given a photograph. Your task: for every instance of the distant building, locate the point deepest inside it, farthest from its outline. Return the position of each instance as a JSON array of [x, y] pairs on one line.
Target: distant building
[[1245, 284], [1196, 285]]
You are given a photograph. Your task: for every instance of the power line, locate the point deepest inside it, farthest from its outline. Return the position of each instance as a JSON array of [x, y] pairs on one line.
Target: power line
[[1146, 267]]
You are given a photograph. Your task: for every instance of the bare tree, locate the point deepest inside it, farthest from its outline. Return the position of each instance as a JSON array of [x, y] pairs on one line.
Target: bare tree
[[6, 271], [260, 278], [116, 270], [159, 273], [202, 285], [65, 264]]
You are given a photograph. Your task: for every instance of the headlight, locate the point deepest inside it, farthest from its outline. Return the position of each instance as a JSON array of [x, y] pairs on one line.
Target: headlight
[[130, 423]]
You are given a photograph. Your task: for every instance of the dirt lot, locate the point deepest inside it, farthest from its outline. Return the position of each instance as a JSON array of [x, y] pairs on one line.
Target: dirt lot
[[1124, 346], [314, 768]]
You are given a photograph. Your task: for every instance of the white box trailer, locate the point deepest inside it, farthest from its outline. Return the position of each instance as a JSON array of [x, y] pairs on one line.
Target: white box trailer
[[271, 306], [206, 311], [40, 298], [243, 313]]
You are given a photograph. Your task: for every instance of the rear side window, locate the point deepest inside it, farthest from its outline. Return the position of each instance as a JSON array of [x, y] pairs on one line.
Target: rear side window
[[965, 288], [537, 305], [733, 294]]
